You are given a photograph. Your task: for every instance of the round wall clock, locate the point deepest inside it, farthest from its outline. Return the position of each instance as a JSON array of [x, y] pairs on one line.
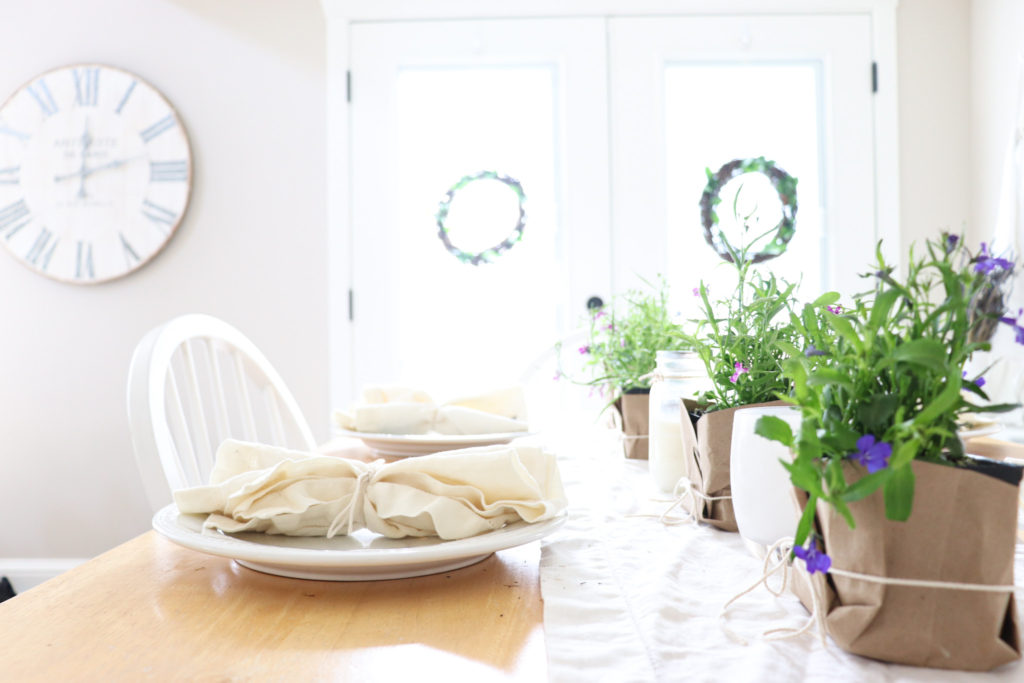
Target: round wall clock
[[95, 173]]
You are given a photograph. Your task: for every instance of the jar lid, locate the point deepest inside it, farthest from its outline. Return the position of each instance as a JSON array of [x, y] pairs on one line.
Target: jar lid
[[676, 364]]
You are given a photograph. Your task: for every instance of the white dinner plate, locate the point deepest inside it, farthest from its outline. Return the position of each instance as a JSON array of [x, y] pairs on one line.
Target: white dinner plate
[[403, 445], [363, 556], [976, 428]]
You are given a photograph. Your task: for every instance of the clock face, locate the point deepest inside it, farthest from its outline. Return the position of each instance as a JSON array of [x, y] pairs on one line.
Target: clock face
[[95, 173]]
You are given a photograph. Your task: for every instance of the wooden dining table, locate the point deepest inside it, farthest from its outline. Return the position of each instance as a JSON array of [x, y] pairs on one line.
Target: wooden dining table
[[152, 610]]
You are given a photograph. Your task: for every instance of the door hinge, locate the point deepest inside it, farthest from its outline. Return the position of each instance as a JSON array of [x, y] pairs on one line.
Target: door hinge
[[348, 86], [874, 77], [351, 306]]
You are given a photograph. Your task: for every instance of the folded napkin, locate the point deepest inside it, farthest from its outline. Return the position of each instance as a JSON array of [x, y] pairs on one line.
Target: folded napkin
[[456, 494], [401, 410], [508, 402], [460, 420], [389, 393], [388, 418]]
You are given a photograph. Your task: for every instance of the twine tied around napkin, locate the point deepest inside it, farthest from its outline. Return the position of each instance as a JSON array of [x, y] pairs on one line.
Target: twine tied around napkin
[[348, 513], [457, 494], [778, 559]]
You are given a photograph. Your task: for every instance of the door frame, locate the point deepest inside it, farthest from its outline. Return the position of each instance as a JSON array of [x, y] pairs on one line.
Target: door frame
[[341, 14]]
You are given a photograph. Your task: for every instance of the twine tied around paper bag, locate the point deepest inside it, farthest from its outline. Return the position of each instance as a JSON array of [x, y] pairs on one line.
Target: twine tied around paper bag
[[685, 491], [620, 429], [347, 515], [778, 558]]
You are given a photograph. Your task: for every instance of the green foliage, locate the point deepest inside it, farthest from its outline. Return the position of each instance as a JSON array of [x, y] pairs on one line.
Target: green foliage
[[889, 365], [624, 338], [744, 338]]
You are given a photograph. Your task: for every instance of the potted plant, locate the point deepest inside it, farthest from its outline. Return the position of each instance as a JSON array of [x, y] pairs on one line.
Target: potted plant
[[742, 339], [619, 356], [888, 490]]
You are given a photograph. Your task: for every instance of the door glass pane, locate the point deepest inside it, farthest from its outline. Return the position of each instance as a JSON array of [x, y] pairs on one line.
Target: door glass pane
[[458, 321], [715, 113]]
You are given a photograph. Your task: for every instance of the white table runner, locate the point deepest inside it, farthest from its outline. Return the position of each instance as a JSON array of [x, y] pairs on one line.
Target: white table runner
[[631, 599]]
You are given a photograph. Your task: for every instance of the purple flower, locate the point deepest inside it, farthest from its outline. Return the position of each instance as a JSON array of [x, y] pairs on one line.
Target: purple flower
[[599, 315], [951, 242], [815, 560], [814, 351], [738, 366], [979, 382], [872, 455], [837, 309], [584, 350], [609, 327], [622, 344], [987, 263], [1018, 330], [696, 291]]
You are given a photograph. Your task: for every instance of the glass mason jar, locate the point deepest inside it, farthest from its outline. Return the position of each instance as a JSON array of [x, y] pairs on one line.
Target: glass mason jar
[[678, 375]]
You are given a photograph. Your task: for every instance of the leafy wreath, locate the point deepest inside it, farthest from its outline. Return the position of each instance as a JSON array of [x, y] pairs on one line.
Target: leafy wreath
[[785, 186], [487, 255]]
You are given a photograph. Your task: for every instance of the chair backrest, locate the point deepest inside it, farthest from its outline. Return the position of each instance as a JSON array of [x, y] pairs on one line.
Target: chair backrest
[[195, 381]]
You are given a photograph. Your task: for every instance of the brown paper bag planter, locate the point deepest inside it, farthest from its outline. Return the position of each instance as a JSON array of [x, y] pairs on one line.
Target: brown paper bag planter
[[634, 407], [707, 442], [963, 530]]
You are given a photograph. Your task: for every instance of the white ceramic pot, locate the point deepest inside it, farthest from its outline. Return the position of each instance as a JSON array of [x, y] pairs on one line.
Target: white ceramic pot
[[761, 491]]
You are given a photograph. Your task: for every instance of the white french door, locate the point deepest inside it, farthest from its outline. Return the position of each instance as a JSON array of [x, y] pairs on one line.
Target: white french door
[[693, 93], [437, 102], [606, 125]]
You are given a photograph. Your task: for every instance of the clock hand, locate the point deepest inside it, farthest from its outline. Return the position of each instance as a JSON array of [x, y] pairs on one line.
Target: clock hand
[[86, 142], [86, 172]]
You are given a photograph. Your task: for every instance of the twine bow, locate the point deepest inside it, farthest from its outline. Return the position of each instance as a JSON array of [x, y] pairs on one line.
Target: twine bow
[[691, 498], [347, 515]]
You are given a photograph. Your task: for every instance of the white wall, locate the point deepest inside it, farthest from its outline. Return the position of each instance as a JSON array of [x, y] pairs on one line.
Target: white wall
[[933, 53], [997, 53], [997, 48], [247, 78]]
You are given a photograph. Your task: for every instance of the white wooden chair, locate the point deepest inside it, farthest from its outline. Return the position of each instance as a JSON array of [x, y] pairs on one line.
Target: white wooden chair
[[195, 381]]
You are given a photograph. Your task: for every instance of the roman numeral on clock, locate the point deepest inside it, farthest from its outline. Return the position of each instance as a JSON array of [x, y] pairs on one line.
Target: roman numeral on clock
[[10, 216], [42, 248], [124, 98], [43, 98], [166, 123], [83, 260], [87, 86], [168, 171], [7, 130], [163, 218], [130, 257]]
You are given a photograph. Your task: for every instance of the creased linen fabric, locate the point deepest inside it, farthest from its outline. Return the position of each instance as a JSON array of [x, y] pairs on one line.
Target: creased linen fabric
[[401, 410], [628, 598], [457, 494]]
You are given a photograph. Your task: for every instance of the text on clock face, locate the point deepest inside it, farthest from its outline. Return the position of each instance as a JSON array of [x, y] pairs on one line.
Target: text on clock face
[[95, 173]]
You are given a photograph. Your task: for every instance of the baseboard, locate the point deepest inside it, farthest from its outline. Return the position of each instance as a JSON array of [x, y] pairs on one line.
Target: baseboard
[[30, 572]]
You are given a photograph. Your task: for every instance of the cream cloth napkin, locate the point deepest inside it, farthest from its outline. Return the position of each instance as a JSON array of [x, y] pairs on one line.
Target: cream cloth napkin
[[390, 393], [452, 419], [456, 494], [507, 402], [399, 417], [402, 410]]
